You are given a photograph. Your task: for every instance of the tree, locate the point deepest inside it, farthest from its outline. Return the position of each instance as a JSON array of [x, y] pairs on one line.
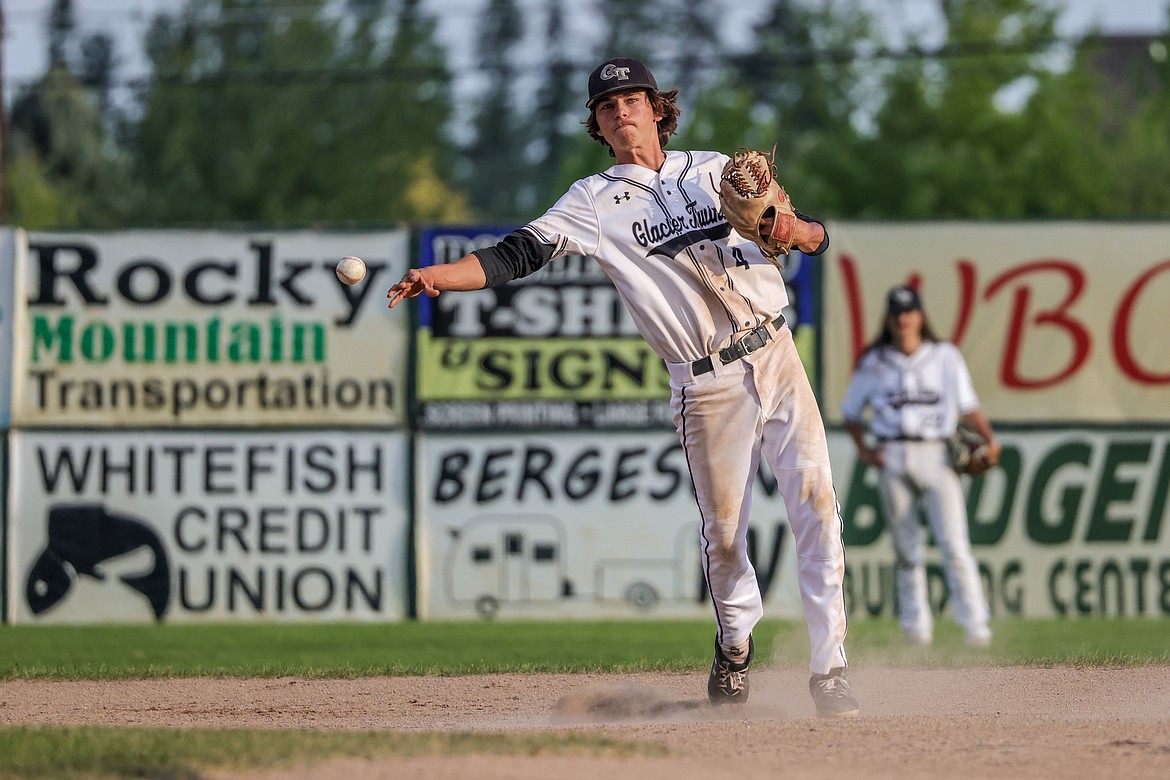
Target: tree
[[1058, 157], [496, 154], [796, 85], [558, 111], [632, 30], [64, 169], [628, 30], [1132, 138], [61, 28], [290, 112], [946, 141], [96, 71], [981, 126]]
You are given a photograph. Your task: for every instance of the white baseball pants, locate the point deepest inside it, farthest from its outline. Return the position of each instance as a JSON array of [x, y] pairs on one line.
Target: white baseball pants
[[914, 472], [727, 418]]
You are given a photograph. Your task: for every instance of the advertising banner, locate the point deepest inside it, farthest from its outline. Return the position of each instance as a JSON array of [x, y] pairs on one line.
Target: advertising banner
[[554, 350], [1073, 523], [186, 527], [208, 329], [572, 525], [1062, 321]]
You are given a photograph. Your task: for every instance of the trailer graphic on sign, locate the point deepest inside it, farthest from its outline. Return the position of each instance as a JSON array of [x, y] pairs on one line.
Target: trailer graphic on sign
[[504, 558], [576, 525], [516, 559]]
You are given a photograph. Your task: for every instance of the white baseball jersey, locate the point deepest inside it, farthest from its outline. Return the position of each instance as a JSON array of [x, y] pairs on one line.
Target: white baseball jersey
[[693, 287], [690, 283], [916, 396], [917, 400]]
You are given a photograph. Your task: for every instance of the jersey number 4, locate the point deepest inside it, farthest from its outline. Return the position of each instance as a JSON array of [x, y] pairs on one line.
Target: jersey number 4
[[737, 253]]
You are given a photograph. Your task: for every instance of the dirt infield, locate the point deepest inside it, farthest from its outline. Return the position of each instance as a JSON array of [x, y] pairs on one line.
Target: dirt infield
[[915, 723]]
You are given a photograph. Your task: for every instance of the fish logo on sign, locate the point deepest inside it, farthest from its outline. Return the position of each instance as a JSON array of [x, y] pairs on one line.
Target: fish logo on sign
[[85, 538]]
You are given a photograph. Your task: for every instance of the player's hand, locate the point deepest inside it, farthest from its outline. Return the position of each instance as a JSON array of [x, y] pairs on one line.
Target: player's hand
[[766, 221], [872, 456], [413, 282], [807, 235]]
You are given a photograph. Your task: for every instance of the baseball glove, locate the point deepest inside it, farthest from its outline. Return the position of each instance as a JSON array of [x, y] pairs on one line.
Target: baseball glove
[[967, 450], [748, 192]]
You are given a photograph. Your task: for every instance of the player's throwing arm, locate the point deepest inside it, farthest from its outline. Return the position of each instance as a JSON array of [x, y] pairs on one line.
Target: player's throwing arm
[[466, 273]]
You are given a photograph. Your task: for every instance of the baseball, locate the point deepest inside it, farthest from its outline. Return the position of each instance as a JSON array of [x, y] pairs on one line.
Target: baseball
[[351, 270]]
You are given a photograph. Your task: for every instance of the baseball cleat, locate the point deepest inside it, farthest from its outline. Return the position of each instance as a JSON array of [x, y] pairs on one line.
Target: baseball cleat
[[831, 694], [728, 681]]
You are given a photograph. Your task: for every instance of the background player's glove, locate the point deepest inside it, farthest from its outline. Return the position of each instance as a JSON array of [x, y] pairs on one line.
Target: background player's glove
[[968, 451], [748, 192]]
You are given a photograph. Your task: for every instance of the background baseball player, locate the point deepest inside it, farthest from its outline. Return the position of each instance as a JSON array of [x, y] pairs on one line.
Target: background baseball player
[[708, 302], [918, 388]]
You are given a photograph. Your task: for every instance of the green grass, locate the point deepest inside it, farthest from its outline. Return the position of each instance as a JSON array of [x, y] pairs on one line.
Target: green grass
[[349, 650], [360, 650], [105, 752]]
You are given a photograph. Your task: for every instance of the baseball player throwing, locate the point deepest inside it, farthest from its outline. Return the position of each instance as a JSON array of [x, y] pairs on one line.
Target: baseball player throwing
[[709, 303], [918, 388]]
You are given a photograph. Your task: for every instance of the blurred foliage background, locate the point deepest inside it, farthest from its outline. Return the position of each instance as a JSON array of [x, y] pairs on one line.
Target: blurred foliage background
[[341, 113]]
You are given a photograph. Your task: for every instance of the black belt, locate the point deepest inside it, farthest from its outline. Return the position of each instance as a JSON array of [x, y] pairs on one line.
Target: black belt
[[745, 346], [904, 438]]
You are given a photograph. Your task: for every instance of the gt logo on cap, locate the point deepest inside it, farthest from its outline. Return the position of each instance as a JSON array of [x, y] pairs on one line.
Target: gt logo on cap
[[618, 74], [611, 71]]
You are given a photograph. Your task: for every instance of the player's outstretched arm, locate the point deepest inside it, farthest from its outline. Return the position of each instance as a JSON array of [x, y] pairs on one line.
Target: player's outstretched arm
[[466, 273]]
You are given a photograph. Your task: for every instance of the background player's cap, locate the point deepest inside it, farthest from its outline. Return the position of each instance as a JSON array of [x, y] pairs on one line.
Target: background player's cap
[[903, 298], [616, 74]]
